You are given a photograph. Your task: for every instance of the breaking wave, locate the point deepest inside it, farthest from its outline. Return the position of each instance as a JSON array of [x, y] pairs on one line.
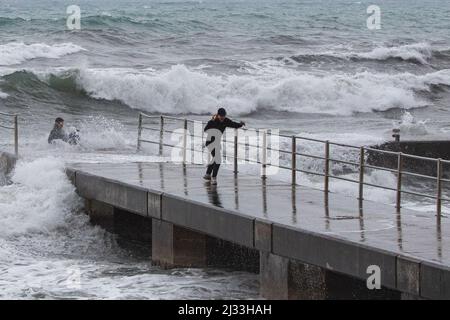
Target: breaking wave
[[17, 52], [179, 90], [40, 199], [419, 53]]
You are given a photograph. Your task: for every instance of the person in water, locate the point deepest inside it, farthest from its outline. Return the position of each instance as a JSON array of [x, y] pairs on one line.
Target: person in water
[[58, 133], [215, 128]]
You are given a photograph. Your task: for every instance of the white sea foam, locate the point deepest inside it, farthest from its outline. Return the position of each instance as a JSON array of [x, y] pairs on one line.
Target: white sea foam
[[39, 200], [179, 90], [17, 52], [412, 126], [99, 133], [3, 95], [419, 52]]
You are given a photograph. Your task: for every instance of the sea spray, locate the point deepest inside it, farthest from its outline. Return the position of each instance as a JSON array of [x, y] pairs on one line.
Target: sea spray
[[49, 250], [39, 199]]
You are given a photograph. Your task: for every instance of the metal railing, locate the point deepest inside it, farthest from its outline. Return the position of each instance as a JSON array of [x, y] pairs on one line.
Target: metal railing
[[296, 143], [11, 122]]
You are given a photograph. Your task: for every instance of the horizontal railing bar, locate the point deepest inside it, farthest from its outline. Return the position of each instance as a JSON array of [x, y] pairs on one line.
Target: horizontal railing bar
[[148, 141], [309, 156], [280, 150], [179, 133], [418, 175], [419, 194], [379, 168], [279, 166], [250, 160], [173, 132], [285, 136], [343, 145], [171, 145], [310, 172], [148, 128], [5, 127], [149, 116], [342, 178], [378, 186], [248, 144], [308, 139], [413, 156], [382, 151], [344, 161]]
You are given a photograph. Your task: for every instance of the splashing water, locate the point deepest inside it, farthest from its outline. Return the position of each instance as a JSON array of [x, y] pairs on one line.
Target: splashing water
[[50, 250]]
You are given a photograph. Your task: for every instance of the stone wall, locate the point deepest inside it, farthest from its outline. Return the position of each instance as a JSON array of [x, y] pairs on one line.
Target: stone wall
[[429, 149]]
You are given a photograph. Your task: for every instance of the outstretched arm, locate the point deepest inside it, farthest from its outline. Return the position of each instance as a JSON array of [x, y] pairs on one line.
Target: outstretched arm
[[233, 124]]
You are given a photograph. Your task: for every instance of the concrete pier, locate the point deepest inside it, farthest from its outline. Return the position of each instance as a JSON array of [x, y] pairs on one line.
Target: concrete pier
[[304, 244]]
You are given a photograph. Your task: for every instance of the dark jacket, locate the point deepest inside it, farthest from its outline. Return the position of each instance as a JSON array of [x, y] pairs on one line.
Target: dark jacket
[[57, 134], [221, 126]]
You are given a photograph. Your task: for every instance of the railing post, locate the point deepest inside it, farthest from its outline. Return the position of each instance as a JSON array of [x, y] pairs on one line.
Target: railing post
[[16, 135], [235, 157], [399, 181], [264, 155], [439, 187], [185, 140], [139, 132], [327, 166], [161, 136], [294, 161], [361, 174]]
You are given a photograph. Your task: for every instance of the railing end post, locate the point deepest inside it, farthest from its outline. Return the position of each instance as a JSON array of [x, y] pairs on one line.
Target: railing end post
[[294, 160], [361, 174], [327, 167], [399, 181], [16, 135], [235, 156], [439, 188], [264, 155], [139, 132]]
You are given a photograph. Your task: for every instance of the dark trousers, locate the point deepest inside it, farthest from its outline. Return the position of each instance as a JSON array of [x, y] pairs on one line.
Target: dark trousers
[[213, 168]]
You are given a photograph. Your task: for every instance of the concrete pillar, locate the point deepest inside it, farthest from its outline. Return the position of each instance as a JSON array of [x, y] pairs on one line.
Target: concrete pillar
[[273, 276], [173, 246], [282, 278]]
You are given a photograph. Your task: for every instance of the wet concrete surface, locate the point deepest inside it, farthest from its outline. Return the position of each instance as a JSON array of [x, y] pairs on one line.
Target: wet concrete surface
[[410, 233]]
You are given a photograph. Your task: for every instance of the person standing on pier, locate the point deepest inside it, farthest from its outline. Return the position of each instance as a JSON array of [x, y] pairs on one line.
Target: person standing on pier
[[215, 129]]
